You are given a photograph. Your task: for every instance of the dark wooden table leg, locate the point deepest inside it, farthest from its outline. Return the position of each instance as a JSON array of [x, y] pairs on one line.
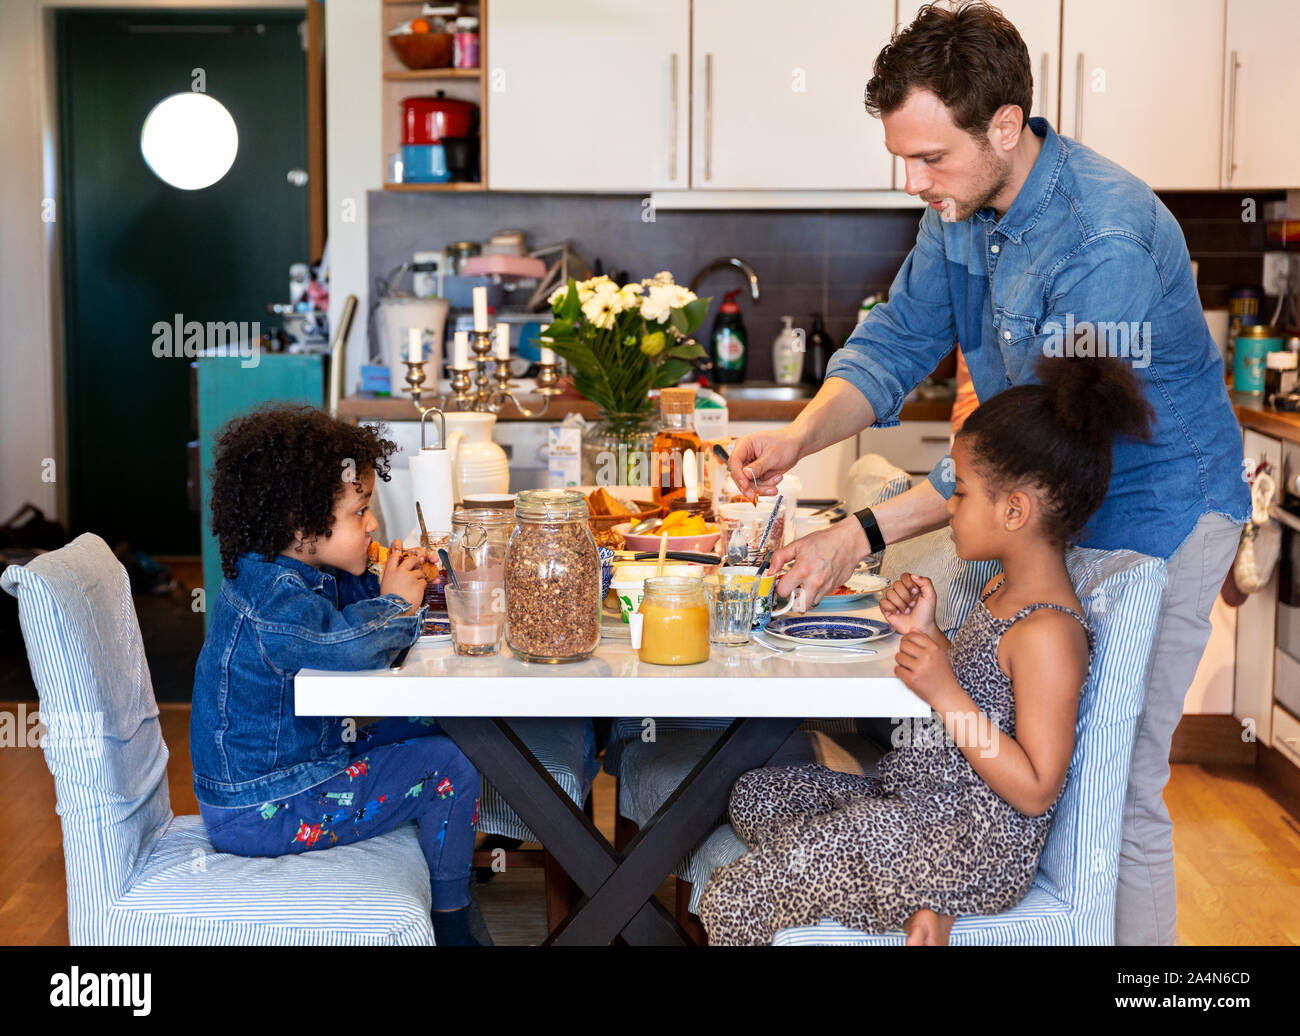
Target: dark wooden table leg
[[673, 831], [583, 852]]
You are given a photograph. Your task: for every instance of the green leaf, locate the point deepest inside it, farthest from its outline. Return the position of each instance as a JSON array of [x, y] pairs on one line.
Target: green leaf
[[670, 373], [693, 313], [691, 350], [570, 307]]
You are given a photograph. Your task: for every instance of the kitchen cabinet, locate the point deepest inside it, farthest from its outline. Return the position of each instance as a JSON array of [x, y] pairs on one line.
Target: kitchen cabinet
[[588, 95], [1257, 625], [1260, 87], [914, 446], [1139, 86], [1039, 24], [777, 95]]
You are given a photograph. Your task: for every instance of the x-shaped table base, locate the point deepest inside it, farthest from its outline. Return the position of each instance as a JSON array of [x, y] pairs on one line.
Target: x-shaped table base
[[619, 889]]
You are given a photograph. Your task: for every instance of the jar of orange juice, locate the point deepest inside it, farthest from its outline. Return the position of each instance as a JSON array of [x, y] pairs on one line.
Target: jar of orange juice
[[674, 621]]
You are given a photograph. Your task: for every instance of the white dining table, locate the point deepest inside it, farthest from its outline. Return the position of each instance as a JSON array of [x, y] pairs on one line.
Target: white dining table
[[770, 692]]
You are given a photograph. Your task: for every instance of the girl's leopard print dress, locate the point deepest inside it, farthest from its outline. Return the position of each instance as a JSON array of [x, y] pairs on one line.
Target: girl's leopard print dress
[[868, 851]]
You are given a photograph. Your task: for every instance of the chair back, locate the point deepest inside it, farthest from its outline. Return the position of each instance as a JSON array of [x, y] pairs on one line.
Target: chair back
[[103, 743]]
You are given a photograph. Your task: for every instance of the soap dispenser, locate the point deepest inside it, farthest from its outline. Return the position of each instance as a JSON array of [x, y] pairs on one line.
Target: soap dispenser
[[787, 354]]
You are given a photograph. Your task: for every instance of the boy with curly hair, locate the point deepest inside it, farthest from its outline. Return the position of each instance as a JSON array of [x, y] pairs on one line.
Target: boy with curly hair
[[291, 493]]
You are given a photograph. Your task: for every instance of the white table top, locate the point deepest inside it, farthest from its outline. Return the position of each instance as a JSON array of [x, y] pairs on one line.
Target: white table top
[[749, 680]]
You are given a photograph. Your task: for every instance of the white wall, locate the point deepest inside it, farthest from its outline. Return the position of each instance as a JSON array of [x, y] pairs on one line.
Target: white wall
[[31, 389], [354, 159]]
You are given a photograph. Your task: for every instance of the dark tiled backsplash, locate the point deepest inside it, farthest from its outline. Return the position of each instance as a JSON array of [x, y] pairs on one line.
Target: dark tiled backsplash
[[807, 261]]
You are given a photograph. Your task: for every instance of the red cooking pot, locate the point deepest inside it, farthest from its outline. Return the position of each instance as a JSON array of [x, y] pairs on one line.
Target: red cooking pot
[[427, 120]]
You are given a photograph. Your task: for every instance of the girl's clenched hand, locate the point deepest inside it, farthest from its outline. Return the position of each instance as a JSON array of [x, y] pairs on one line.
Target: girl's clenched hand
[[909, 604]]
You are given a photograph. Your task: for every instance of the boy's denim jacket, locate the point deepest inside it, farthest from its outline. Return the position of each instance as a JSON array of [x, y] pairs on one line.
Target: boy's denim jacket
[[277, 616]]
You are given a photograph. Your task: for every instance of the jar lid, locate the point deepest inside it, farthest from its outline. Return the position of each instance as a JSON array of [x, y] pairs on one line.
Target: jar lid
[[1282, 360], [1256, 331], [482, 515], [673, 586], [558, 504]]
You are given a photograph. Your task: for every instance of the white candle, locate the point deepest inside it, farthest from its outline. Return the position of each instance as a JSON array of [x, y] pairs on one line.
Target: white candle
[[503, 341], [415, 350], [461, 353], [480, 309], [691, 476], [548, 355]]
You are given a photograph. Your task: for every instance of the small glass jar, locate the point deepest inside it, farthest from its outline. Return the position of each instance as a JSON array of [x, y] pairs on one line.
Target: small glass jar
[[674, 621], [552, 578], [479, 537]]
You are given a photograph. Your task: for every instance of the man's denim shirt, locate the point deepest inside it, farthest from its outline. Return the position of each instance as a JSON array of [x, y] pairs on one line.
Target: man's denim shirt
[[1083, 241], [276, 617]]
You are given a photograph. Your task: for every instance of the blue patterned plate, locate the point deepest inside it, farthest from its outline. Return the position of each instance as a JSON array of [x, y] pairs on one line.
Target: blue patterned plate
[[841, 632], [437, 628]]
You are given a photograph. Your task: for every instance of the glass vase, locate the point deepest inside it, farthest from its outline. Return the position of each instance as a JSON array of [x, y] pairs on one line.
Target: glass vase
[[616, 450]]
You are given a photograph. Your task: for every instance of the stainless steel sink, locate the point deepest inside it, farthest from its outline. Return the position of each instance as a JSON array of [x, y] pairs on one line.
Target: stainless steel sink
[[767, 390]]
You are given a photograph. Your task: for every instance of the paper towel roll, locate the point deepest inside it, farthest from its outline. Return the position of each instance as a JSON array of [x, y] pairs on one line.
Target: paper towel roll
[[431, 488]]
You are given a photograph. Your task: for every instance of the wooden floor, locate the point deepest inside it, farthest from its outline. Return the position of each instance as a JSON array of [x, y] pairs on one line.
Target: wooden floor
[[1237, 854]]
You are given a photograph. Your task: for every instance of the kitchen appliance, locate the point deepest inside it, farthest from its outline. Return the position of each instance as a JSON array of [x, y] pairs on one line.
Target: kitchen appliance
[[1286, 679], [397, 315]]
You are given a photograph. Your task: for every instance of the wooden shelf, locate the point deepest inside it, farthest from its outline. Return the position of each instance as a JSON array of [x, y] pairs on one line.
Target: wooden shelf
[[453, 185], [432, 73]]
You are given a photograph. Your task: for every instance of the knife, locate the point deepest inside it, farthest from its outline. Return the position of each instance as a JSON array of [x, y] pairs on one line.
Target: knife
[[424, 533]]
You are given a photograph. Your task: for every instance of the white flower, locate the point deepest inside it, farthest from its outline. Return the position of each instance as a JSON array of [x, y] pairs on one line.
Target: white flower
[[558, 294], [662, 277], [629, 296], [657, 306], [599, 310], [681, 296]]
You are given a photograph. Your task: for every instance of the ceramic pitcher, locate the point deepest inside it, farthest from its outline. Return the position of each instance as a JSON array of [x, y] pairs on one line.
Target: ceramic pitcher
[[478, 464]]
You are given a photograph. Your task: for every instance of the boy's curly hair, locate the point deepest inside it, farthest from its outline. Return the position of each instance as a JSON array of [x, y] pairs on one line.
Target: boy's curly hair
[[281, 468]]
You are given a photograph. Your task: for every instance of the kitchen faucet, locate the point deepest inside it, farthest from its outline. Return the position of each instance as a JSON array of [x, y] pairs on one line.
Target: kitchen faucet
[[728, 260]]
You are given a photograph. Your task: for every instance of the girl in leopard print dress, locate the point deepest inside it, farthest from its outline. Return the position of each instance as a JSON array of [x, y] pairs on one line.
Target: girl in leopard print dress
[[954, 819]]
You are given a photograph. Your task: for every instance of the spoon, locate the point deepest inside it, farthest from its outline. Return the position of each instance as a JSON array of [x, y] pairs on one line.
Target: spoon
[[645, 525], [446, 563]]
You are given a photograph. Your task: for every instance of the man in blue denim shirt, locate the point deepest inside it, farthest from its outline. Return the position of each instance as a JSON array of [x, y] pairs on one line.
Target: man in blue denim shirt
[[1036, 245]]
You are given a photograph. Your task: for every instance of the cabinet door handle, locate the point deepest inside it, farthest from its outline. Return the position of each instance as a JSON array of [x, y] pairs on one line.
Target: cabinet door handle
[[1232, 117], [672, 132], [1043, 77], [708, 116], [935, 438], [1078, 102]]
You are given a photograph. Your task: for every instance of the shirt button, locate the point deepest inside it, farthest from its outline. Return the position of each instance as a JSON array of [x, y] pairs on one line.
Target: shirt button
[[995, 249], [1006, 335]]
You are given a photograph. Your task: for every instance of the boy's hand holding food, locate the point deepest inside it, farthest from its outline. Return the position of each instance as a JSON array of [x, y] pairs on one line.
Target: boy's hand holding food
[[405, 573], [910, 604]]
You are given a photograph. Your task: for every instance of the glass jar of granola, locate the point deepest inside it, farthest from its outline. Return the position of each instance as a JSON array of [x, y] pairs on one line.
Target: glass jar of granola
[[552, 578]]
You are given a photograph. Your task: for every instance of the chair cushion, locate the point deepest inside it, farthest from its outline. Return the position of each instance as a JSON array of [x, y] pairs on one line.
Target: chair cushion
[[371, 893], [566, 748]]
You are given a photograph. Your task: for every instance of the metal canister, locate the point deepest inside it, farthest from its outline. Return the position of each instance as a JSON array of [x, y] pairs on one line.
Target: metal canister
[[457, 253], [1253, 344]]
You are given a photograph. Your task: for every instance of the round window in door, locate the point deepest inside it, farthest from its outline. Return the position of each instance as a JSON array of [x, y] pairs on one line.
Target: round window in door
[[189, 140]]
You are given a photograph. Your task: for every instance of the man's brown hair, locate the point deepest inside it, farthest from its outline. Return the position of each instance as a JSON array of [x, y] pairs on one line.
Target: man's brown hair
[[972, 58]]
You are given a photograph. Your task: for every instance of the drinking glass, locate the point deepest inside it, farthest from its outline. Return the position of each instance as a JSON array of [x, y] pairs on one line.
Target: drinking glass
[[478, 617], [731, 609]]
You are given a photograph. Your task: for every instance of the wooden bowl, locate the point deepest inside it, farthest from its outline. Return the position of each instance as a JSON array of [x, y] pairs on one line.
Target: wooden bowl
[[424, 49], [634, 497]]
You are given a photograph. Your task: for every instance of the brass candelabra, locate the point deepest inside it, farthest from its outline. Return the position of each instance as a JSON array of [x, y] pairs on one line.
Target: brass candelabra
[[485, 385]]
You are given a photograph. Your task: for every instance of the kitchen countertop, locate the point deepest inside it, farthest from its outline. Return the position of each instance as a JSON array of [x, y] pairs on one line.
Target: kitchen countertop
[[386, 408], [1252, 413]]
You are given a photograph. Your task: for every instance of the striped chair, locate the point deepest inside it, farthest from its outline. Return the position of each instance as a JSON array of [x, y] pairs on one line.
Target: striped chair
[[1072, 900], [137, 874]]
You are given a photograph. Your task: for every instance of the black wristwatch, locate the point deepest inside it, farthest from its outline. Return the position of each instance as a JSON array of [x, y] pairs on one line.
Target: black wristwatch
[[869, 525]]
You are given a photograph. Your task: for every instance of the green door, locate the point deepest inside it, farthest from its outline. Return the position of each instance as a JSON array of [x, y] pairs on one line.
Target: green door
[[137, 252]]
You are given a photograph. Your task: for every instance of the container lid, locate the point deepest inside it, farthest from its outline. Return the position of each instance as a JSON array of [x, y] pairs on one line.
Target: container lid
[[557, 504], [1282, 360], [673, 586], [677, 400], [1257, 331]]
